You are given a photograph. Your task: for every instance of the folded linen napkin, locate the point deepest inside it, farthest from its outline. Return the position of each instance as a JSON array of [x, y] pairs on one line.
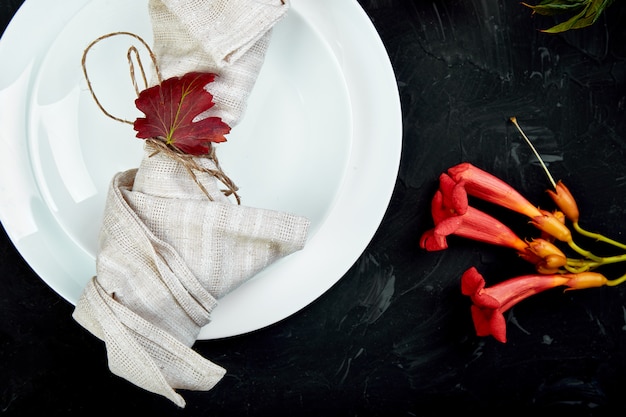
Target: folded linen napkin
[[167, 252]]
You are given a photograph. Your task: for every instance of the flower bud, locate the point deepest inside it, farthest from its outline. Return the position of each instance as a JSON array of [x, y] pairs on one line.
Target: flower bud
[[561, 217], [545, 255], [544, 248], [545, 270], [565, 201], [550, 224]]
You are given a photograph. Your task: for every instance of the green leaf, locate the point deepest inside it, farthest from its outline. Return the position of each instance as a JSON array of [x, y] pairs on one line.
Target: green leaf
[[587, 12], [563, 1], [553, 7]]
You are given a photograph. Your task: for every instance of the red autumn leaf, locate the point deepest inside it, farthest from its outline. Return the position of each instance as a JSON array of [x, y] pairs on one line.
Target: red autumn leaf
[[171, 108]]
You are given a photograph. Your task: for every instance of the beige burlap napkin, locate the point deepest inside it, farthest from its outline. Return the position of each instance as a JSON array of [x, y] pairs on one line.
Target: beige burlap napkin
[[168, 249]]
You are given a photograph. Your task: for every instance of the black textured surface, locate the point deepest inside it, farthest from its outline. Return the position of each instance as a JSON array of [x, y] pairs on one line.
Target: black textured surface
[[394, 336]]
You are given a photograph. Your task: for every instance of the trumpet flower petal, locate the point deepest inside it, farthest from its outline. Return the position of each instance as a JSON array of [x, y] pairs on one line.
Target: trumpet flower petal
[[453, 216], [483, 185], [490, 303]]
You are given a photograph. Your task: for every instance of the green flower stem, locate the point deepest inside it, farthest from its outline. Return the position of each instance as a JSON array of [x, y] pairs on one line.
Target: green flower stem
[[612, 259], [584, 252], [617, 281], [582, 265], [598, 237], [576, 266]]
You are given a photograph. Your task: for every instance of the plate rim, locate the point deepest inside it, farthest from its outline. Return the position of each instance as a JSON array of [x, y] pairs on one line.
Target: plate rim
[[385, 88]]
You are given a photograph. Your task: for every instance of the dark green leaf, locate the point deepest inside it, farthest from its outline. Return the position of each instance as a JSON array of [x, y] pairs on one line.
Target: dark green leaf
[[553, 7], [586, 12]]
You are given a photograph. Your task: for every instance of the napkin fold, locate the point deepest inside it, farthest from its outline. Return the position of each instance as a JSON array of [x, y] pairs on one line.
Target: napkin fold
[[226, 37], [168, 251]]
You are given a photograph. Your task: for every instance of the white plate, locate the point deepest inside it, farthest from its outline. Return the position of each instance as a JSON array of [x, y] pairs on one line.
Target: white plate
[[321, 137]]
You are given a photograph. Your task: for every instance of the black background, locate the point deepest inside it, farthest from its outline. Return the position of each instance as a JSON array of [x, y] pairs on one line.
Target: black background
[[394, 336]]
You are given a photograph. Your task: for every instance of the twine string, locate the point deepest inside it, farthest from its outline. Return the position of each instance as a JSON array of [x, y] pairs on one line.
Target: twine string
[[189, 162], [132, 69], [134, 53]]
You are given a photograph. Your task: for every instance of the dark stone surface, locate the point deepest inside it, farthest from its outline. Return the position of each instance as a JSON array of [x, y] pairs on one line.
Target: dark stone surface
[[394, 336]]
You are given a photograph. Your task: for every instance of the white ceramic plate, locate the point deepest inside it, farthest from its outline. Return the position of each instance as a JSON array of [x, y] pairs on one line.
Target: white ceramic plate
[[321, 137]]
